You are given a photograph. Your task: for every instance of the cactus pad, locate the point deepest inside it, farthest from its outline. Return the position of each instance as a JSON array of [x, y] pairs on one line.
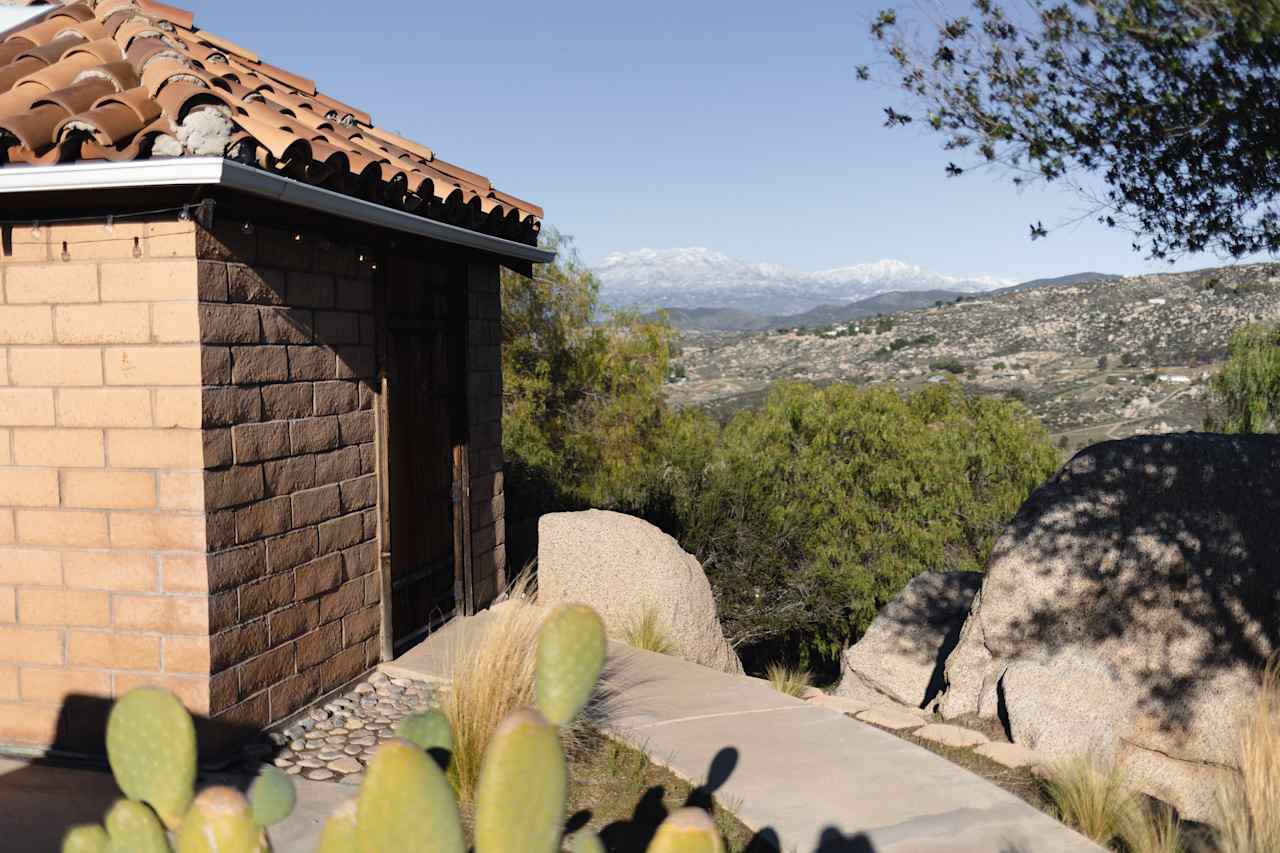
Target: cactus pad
[[151, 745], [406, 804], [586, 841], [339, 834], [86, 838], [134, 828], [687, 830], [272, 796], [524, 783], [429, 730], [221, 821], [571, 648]]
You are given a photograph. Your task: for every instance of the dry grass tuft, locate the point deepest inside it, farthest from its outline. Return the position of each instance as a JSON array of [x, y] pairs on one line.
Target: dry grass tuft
[[1153, 830], [1250, 806], [1090, 799], [785, 679], [491, 678], [647, 634]]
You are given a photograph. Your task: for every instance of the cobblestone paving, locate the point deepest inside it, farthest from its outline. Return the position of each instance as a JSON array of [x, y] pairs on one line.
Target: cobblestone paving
[[334, 741]]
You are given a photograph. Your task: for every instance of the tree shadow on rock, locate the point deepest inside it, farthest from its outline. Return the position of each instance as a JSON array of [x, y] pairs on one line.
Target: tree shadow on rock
[[1161, 548]]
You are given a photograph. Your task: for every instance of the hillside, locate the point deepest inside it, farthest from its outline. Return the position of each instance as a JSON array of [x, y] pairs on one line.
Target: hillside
[[1103, 359], [892, 301]]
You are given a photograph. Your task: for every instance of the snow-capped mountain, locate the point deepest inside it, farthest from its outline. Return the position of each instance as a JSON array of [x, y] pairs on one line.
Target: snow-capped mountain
[[648, 279]]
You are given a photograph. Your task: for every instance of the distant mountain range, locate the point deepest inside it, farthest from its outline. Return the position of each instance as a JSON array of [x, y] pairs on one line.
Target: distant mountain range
[[697, 287], [696, 278]]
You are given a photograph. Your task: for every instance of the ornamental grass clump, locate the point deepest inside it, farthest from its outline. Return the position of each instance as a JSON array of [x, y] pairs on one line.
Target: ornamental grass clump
[[792, 681], [647, 634], [1249, 805], [1090, 798]]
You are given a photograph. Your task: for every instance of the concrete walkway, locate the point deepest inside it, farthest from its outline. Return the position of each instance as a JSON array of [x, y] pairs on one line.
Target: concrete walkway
[[806, 778]]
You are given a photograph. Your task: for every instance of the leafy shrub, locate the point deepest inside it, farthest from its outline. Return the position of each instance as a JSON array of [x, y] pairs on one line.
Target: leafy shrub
[[813, 512], [919, 341], [950, 365]]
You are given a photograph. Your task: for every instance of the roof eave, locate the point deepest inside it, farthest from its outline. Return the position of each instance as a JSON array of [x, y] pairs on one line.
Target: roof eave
[[217, 171]]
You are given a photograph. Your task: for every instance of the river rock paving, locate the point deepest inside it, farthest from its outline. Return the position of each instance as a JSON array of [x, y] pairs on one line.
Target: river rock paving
[[334, 741]]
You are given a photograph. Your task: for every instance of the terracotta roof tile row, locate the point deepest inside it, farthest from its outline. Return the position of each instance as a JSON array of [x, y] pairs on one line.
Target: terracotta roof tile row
[[132, 79]]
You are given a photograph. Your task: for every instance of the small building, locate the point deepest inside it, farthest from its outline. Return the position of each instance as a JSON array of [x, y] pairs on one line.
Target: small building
[[250, 385]]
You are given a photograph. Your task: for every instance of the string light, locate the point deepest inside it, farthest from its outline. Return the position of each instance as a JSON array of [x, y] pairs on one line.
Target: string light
[[247, 228], [185, 215], [66, 255], [297, 237], [110, 227], [35, 229]]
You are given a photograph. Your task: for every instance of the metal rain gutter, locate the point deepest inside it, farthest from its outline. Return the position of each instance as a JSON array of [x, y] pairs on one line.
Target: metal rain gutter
[[216, 171]]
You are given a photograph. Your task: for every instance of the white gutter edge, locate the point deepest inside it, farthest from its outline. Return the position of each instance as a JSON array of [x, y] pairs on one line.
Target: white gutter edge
[[216, 171]]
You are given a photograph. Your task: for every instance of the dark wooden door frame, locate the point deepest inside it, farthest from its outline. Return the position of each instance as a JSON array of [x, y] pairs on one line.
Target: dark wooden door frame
[[464, 576]]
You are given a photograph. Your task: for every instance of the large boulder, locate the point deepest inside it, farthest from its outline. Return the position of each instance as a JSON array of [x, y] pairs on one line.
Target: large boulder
[[900, 656], [1128, 608], [625, 567]]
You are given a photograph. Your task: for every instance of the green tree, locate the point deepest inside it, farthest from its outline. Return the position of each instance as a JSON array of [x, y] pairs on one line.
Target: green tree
[[1173, 104], [583, 413], [1246, 393], [814, 511]]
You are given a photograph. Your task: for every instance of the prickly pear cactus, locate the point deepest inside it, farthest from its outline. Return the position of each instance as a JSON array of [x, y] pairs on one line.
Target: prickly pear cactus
[[428, 729], [571, 648], [339, 834], [688, 830], [586, 841], [272, 796], [406, 804], [524, 783], [221, 821], [87, 838], [133, 828], [151, 745]]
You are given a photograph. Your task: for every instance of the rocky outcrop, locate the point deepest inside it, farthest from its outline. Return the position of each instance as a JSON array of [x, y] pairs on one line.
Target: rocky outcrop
[[1127, 610], [625, 567], [900, 656]]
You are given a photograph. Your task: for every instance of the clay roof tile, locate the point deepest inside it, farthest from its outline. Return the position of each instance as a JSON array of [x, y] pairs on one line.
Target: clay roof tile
[[111, 81]]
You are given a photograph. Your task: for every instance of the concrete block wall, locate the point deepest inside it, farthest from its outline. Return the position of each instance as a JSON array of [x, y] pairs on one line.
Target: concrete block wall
[[484, 409], [187, 468], [288, 365], [102, 523]]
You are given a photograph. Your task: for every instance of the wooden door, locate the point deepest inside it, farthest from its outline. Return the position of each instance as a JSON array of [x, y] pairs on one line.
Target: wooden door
[[425, 430]]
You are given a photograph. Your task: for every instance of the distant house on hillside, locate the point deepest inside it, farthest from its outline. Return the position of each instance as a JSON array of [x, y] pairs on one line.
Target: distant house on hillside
[[250, 441]]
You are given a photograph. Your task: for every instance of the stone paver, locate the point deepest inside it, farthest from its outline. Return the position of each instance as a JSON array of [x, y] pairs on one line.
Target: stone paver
[[947, 735], [891, 717], [1010, 755], [840, 704]]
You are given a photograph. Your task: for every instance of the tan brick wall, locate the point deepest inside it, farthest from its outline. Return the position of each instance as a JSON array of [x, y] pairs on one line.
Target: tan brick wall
[[102, 530], [289, 487]]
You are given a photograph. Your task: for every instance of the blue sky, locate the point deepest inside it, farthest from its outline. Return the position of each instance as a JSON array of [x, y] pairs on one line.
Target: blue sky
[[733, 125]]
